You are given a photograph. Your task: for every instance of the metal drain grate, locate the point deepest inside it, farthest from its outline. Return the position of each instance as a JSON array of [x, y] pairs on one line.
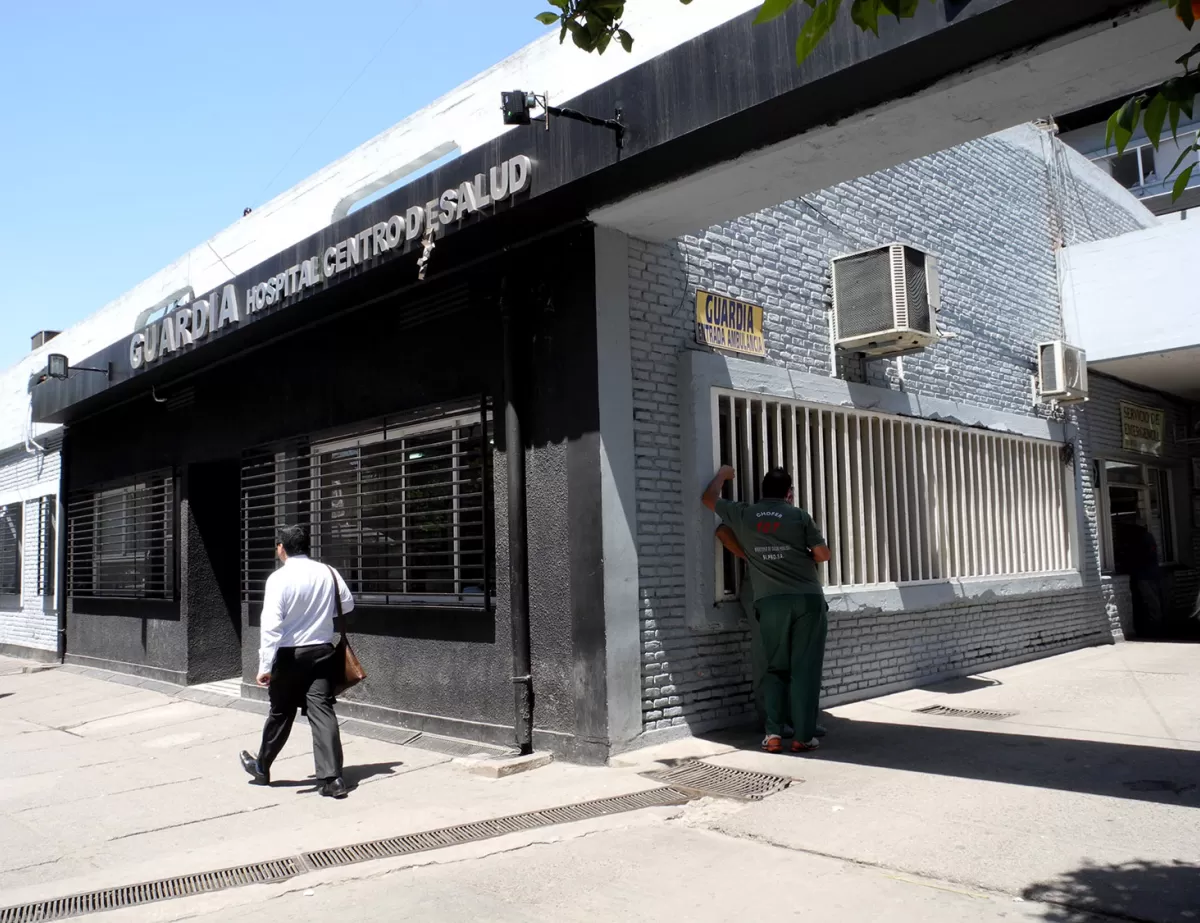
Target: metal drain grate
[[282, 869], [944, 711], [696, 777], [492, 827], [151, 891]]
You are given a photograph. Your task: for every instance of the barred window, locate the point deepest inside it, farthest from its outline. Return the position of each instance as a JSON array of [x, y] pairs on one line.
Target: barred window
[[900, 501], [47, 508], [11, 539], [121, 539], [402, 511]]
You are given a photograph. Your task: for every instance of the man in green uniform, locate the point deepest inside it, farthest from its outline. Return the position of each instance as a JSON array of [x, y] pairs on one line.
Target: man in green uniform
[[783, 548]]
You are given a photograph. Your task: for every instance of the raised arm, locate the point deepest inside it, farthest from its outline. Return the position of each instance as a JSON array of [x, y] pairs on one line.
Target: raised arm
[[726, 537], [712, 493]]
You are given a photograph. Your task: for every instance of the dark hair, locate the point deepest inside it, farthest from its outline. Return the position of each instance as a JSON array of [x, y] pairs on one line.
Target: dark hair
[[776, 484], [294, 539]]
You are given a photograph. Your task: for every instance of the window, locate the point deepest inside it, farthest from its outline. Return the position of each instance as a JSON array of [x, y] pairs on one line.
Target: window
[[1137, 168], [11, 539], [403, 512], [1133, 169], [1140, 529], [121, 539], [899, 500], [46, 550]]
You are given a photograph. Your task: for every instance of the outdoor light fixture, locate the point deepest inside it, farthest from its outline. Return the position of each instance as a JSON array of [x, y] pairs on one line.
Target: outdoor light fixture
[[57, 366], [518, 106]]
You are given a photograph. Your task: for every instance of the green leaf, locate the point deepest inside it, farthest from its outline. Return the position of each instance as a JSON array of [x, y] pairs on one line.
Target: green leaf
[[772, 9], [547, 19], [626, 39], [1173, 114], [1181, 182], [1110, 131], [1183, 155], [865, 14], [602, 42], [901, 9], [816, 27], [561, 4], [1127, 119], [1183, 9], [1156, 114]]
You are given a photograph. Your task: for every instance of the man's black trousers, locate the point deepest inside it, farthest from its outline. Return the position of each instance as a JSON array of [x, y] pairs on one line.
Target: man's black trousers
[[303, 677]]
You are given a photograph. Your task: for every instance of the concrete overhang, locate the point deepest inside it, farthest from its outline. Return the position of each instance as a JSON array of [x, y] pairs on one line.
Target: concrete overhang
[[1130, 303]]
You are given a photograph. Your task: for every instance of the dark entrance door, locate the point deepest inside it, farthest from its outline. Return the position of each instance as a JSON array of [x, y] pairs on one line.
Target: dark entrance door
[[210, 523]]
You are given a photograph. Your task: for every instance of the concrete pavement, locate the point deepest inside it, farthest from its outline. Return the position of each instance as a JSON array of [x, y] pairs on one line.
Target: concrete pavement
[[1085, 799]]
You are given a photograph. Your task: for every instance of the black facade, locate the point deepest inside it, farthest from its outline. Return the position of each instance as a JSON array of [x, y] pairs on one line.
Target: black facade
[[441, 668]]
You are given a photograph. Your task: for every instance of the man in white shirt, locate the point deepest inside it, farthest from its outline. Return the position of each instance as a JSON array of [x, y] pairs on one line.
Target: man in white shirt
[[297, 661]]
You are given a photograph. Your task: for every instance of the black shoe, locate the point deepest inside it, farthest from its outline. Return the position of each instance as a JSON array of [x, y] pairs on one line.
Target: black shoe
[[819, 732], [334, 788], [250, 764]]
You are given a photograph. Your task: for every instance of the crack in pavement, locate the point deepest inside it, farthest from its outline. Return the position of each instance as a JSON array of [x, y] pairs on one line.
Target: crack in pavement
[[189, 823], [133, 711], [93, 797], [984, 890]]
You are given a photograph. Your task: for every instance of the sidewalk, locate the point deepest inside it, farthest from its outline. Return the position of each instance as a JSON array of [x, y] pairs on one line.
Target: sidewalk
[[1089, 793], [1085, 799], [105, 784]]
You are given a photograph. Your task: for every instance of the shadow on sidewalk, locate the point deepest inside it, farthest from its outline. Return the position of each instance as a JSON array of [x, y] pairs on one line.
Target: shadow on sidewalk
[[1135, 890], [353, 775], [1115, 770]]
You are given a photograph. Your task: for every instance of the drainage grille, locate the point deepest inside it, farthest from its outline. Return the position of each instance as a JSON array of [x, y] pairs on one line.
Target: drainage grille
[[943, 711], [492, 827], [149, 892], [696, 777], [282, 869]]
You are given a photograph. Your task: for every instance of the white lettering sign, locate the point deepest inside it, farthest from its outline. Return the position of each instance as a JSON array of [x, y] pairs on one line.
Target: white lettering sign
[[192, 324]]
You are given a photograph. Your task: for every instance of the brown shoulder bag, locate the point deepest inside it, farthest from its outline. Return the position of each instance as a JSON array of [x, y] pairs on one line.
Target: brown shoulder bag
[[352, 672]]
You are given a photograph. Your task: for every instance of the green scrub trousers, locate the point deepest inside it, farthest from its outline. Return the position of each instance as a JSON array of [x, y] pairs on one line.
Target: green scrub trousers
[[793, 630]]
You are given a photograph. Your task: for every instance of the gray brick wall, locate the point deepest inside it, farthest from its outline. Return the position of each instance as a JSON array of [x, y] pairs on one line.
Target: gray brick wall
[[23, 478], [985, 209]]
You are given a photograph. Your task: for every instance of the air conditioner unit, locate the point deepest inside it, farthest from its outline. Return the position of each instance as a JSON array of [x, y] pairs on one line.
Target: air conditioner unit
[[885, 301], [1062, 372]]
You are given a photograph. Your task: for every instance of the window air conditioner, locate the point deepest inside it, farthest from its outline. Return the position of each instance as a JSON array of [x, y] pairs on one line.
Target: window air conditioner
[[1062, 372], [885, 301]]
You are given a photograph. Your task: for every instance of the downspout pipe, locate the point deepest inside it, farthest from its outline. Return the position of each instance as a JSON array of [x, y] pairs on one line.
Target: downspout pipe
[[518, 539]]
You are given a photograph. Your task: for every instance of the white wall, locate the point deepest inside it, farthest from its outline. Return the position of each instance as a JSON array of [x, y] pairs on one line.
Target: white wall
[[1133, 294]]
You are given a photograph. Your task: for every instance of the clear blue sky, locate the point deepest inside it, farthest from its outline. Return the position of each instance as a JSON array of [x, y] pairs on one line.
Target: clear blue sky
[[132, 130]]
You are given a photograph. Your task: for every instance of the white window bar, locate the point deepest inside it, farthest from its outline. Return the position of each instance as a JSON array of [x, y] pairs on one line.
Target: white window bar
[[900, 500]]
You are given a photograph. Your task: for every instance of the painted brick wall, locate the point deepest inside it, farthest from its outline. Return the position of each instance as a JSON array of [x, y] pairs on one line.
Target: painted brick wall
[[985, 209], [23, 478]]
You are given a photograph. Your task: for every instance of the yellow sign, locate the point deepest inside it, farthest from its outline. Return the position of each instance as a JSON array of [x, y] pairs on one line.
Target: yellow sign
[[1142, 429], [726, 323]]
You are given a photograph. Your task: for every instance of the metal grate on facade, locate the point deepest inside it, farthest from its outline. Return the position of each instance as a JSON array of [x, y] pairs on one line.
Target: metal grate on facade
[[402, 508], [900, 500], [11, 538], [47, 514], [121, 538]]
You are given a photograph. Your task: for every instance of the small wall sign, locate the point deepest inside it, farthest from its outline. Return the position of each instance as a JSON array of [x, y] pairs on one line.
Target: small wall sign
[[726, 323], [1142, 429]]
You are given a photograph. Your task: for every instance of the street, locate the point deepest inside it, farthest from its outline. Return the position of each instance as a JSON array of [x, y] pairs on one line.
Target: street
[[1083, 800]]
